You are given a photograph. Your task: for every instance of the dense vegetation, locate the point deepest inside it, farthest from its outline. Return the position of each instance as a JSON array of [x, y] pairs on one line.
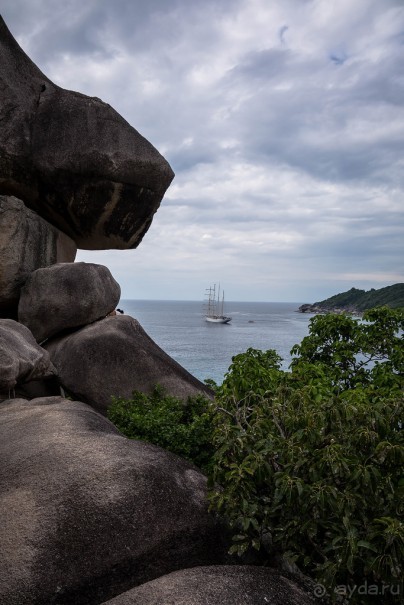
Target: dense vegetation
[[307, 463], [310, 462], [360, 300], [164, 420]]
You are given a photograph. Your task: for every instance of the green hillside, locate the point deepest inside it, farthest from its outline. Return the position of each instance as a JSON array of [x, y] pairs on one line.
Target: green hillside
[[360, 300]]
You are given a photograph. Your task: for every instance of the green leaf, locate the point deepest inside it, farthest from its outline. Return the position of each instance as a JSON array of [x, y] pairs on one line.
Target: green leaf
[[368, 545]]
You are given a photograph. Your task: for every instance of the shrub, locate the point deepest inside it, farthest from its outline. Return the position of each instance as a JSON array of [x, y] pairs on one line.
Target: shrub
[[182, 428]]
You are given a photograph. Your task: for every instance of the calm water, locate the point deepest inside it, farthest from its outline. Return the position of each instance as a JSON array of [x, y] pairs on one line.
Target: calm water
[[206, 349]]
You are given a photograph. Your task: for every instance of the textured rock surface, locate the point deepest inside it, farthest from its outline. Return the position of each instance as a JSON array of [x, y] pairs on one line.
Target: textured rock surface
[[73, 158], [21, 358], [27, 242], [220, 585], [86, 513], [65, 296], [115, 356]]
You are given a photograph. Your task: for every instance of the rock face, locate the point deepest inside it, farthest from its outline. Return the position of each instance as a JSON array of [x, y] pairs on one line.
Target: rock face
[[86, 513], [73, 159], [27, 242], [224, 585], [307, 308], [65, 296], [21, 359], [115, 356]]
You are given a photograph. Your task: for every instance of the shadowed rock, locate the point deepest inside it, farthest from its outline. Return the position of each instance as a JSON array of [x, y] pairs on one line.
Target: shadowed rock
[[65, 296], [27, 242], [87, 513], [224, 585], [74, 159], [21, 358], [115, 356]]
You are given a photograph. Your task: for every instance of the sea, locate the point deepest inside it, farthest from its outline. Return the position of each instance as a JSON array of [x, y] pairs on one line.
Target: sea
[[206, 349]]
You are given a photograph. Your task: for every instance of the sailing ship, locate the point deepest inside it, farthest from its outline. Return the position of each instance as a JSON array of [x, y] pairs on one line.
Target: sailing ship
[[214, 307]]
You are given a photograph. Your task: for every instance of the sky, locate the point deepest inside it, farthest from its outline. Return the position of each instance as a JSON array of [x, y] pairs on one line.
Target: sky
[[283, 121]]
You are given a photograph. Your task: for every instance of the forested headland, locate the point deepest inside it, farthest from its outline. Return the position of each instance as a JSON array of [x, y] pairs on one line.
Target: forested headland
[[360, 300]]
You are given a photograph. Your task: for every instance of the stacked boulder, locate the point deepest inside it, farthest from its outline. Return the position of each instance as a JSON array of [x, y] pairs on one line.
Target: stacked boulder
[[88, 515], [74, 173], [96, 354], [66, 296]]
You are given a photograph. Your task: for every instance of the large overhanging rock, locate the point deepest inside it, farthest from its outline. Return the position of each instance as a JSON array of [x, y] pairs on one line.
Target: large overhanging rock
[[27, 242], [115, 356], [87, 513], [21, 358], [66, 296], [73, 158], [221, 584]]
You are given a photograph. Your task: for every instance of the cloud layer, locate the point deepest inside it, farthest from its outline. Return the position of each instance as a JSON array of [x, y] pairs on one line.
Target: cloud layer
[[284, 124]]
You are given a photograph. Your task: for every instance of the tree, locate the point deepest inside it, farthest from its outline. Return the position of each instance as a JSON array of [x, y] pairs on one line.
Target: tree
[[353, 352], [309, 463]]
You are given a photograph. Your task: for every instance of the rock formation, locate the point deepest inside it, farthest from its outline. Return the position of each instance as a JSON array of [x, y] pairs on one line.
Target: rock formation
[[115, 356], [307, 308], [27, 242], [224, 585], [66, 296], [73, 159], [21, 359], [87, 513]]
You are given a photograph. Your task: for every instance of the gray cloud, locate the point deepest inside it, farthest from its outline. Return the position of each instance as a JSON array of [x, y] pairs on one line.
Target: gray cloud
[[284, 123], [282, 33]]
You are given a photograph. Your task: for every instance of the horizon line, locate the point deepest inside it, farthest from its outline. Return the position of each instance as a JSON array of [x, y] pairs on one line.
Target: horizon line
[[201, 300]]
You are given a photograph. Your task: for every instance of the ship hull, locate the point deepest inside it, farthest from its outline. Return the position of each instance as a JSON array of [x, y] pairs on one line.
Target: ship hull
[[218, 320]]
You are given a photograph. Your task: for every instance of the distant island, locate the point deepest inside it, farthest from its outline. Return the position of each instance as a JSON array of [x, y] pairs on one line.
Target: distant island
[[357, 301]]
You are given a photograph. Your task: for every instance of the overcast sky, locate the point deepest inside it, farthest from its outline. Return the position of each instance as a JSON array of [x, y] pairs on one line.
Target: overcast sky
[[283, 121]]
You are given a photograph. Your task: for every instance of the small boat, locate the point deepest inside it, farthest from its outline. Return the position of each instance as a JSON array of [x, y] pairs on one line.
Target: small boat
[[214, 307]]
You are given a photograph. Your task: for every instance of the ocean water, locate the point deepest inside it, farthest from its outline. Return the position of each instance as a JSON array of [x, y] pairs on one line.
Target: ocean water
[[206, 349]]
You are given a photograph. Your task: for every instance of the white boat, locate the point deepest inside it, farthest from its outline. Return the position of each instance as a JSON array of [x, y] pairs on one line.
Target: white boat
[[214, 307]]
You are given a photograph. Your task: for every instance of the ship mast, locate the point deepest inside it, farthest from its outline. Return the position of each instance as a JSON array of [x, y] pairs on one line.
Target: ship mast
[[210, 303]]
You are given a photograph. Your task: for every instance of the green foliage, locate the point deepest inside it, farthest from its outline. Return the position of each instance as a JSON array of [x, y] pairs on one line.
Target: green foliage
[[182, 428], [309, 462], [352, 352]]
